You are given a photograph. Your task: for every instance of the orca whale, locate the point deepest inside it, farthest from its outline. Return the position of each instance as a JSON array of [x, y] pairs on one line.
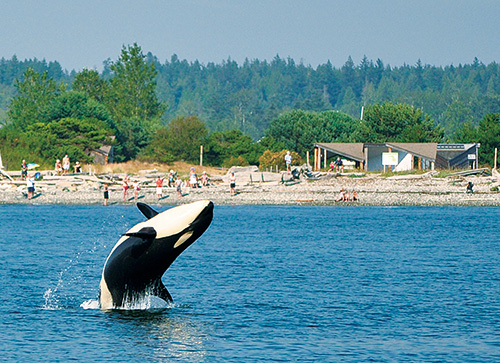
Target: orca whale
[[142, 255]]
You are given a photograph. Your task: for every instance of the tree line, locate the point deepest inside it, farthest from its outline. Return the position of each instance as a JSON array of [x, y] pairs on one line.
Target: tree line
[[164, 112]]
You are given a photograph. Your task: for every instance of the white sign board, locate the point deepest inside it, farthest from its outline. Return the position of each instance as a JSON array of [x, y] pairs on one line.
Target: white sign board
[[472, 156], [389, 159]]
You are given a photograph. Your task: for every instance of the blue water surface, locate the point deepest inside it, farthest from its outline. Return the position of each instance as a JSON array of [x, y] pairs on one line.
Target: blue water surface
[[264, 283]]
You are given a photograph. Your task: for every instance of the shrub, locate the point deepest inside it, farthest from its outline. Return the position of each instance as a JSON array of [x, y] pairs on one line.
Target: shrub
[[270, 159]]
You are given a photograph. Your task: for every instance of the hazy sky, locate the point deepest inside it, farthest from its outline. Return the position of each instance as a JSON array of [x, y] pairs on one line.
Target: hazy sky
[[81, 34]]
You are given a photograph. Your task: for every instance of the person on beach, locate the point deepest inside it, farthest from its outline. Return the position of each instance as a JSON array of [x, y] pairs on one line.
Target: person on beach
[[232, 184], [77, 167], [58, 167], [30, 184], [24, 170], [332, 166], [339, 164], [125, 189], [354, 196], [193, 179], [347, 196], [66, 164], [341, 196], [106, 193], [470, 187], [178, 186], [159, 185], [136, 190], [288, 162], [204, 179], [171, 179]]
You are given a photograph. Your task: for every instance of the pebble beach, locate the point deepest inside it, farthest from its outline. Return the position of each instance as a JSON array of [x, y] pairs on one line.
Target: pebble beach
[[373, 190]]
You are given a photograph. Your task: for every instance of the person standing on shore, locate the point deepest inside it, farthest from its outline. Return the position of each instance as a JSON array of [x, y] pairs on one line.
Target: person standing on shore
[[171, 179], [339, 164], [232, 184], [24, 170], [204, 179], [193, 179], [159, 184], [30, 183], [136, 191], [106, 193], [66, 164], [125, 189], [58, 167], [288, 162], [178, 186]]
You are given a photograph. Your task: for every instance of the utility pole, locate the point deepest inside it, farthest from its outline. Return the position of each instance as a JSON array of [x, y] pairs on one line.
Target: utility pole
[[495, 159]]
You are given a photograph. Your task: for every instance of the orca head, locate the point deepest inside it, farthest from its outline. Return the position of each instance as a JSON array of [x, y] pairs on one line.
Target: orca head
[[143, 254]]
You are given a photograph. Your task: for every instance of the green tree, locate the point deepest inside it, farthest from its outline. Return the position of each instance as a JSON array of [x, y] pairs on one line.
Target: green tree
[[90, 82], [398, 123], [180, 140], [487, 133], [132, 101], [489, 136], [456, 114], [133, 86], [34, 93], [224, 145], [467, 133], [43, 143], [74, 104], [72, 136], [298, 130]]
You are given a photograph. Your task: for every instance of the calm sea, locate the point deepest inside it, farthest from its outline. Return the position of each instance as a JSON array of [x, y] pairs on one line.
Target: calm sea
[[264, 283]]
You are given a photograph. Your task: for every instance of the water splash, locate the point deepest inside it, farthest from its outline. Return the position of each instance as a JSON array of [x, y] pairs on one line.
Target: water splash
[[91, 304], [147, 302], [51, 301]]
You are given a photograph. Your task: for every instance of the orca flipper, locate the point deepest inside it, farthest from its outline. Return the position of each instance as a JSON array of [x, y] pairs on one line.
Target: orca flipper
[[161, 291], [142, 240], [146, 210]]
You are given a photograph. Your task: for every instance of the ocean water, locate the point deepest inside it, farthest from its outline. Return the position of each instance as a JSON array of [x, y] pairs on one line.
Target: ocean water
[[264, 283]]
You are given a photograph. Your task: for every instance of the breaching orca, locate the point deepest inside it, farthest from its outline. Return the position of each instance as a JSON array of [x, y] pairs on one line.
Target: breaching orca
[[140, 258]]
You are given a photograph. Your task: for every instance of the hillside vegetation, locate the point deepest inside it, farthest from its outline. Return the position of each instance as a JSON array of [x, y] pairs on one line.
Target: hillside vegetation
[[163, 111]]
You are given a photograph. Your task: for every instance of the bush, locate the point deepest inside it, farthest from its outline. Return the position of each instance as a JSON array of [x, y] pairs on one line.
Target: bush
[[270, 159], [232, 161]]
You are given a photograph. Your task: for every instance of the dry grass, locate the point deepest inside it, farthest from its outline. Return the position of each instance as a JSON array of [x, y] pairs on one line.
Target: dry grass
[[134, 167]]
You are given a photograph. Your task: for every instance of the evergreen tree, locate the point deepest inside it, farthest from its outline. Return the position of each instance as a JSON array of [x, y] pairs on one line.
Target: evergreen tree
[[132, 101], [34, 94], [397, 123]]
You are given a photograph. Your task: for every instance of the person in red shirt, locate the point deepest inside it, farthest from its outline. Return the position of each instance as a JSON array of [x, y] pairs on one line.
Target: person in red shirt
[[159, 185]]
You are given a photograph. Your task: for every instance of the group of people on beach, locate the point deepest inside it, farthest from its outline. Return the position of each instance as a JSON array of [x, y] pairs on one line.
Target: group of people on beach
[[63, 168], [172, 180], [344, 196], [126, 185], [337, 165]]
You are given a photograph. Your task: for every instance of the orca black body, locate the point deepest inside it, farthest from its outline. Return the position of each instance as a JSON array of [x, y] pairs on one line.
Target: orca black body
[[143, 254]]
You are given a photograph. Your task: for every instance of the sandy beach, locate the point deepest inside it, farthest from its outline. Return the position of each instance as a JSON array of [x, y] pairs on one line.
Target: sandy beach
[[373, 189]]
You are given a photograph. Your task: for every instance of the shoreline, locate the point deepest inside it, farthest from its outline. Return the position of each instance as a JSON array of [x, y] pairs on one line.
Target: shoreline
[[373, 190]]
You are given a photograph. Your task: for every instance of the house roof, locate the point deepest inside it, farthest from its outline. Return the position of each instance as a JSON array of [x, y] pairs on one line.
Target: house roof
[[354, 150], [426, 150]]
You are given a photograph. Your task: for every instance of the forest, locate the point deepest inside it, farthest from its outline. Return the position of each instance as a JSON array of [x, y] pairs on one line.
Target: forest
[[164, 111]]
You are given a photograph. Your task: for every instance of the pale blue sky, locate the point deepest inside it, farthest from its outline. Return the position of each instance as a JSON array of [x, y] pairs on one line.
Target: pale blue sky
[[84, 33]]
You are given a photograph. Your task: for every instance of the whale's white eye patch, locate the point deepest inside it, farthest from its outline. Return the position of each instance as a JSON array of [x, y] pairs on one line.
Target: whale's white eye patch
[[183, 239]]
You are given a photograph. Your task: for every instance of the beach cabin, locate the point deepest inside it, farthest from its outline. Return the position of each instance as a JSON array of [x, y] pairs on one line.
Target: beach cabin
[[457, 156], [397, 156], [102, 155]]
